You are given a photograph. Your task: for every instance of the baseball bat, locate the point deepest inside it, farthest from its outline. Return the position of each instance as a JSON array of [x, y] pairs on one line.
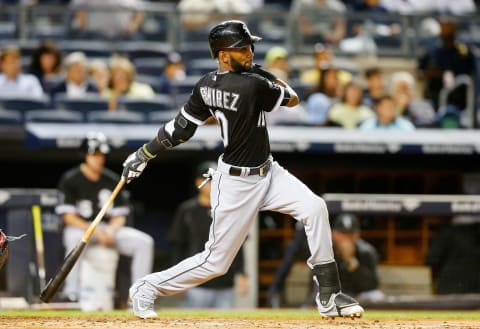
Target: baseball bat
[[39, 247], [54, 284]]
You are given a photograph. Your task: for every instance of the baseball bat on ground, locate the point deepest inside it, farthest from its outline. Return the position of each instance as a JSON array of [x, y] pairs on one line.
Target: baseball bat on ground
[[39, 247], [54, 284]]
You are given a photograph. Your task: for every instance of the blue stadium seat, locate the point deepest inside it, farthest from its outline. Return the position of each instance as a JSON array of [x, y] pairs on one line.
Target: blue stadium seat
[[24, 104], [54, 115], [158, 103], [88, 103], [161, 116], [201, 66], [150, 66], [10, 117], [194, 50], [115, 117]]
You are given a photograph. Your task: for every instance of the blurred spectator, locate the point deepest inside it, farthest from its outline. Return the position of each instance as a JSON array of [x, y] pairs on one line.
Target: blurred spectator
[[460, 7], [14, 83], [46, 64], [276, 62], [402, 89], [375, 86], [441, 64], [200, 15], [174, 71], [99, 73], [322, 57], [350, 112], [111, 19], [123, 83], [76, 83], [383, 29], [455, 249], [319, 20], [386, 117], [188, 234], [326, 93]]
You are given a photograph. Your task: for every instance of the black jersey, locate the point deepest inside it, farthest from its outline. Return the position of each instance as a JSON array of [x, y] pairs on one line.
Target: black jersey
[[238, 101], [85, 198]]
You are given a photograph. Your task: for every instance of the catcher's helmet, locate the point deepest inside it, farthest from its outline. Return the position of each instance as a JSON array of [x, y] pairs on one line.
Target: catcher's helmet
[[230, 34], [95, 141]]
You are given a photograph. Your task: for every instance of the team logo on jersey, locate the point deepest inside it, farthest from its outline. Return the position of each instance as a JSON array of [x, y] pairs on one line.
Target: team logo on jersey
[[219, 98]]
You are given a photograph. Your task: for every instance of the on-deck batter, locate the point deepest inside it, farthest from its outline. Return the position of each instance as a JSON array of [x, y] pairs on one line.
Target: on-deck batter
[[247, 180]]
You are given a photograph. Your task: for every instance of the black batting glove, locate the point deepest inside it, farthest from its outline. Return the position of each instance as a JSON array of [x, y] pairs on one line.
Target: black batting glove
[[135, 163], [258, 69]]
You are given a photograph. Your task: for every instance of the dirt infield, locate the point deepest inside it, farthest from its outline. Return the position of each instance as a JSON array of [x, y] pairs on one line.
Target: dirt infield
[[224, 322]]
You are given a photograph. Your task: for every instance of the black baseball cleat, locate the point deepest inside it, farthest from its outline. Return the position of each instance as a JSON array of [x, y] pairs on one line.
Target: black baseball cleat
[[339, 305], [143, 309]]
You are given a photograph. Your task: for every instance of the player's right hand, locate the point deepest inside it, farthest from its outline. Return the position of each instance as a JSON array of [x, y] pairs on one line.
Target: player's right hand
[[135, 163]]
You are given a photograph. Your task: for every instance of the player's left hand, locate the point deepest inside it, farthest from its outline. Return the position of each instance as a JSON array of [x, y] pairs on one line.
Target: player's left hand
[[134, 165]]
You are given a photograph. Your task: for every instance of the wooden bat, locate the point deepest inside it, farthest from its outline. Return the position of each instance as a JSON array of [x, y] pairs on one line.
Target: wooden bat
[[54, 284], [39, 247]]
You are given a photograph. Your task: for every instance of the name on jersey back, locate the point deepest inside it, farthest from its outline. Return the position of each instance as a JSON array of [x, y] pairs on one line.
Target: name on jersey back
[[219, 98]]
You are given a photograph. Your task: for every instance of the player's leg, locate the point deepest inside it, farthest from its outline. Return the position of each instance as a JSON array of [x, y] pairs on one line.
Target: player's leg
[[71, 288], [289, 195], [138, 245], [235, 203]]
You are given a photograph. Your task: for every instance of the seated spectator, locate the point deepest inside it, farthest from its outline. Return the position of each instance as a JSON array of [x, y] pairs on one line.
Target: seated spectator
[[441, 64], [350, 112], [276, 62], [174, 71], [375, 86], [76, 83], [320, 100], [123, 83], [319, 20], [386, 117], [418, 111], [323, 56], [99, 73], [111, 19], [200, 15], [46, 64], [14, 83]]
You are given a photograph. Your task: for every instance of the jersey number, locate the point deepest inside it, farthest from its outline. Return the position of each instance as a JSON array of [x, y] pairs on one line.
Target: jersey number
[[222, 120]]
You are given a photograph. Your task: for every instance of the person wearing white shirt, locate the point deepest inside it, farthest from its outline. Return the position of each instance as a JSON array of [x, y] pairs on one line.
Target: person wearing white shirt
[[14, 83]]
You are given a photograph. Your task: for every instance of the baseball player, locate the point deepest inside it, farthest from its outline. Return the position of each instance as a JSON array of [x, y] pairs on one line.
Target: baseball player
[[247, 179], [84, 189]]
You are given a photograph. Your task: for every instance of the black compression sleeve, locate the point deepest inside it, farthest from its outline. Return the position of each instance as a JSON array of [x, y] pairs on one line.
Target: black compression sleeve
[[175, 132], [159, 143]]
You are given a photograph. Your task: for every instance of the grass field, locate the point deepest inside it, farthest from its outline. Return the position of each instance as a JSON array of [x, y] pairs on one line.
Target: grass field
[[249, 319]]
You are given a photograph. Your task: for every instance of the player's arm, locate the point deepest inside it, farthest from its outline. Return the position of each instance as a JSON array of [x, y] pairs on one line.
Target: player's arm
[[175, 132], [290, 97]]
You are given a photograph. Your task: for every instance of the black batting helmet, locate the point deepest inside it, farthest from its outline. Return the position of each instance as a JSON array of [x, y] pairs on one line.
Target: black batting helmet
[[95, 141], [230, 34]]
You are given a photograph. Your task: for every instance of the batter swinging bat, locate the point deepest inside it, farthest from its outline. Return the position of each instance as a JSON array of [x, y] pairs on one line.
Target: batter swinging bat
[[57, 280], [38, 234]]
